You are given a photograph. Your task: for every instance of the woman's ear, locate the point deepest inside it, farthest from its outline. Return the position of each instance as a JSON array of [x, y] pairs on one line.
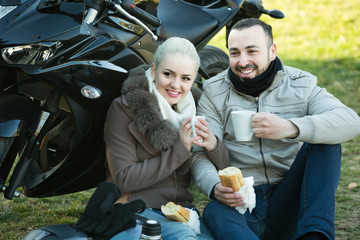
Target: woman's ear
[[153, 70]]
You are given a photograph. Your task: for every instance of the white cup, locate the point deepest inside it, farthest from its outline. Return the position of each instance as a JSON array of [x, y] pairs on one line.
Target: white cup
[[242, 125], [195, 119]]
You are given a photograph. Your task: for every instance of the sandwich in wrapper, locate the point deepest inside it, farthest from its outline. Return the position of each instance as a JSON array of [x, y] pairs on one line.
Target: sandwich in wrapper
[[186, 216], [175, 212], [232, 177]]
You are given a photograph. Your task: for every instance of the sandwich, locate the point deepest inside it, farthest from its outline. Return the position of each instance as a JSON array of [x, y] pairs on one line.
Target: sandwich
[[175, 212], [231, 177]]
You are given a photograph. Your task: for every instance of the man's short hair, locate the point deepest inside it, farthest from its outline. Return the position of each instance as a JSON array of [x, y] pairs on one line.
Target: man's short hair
[[250, 22]]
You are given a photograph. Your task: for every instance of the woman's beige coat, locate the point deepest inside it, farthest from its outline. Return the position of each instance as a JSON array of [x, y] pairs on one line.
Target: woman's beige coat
[[146, 159]]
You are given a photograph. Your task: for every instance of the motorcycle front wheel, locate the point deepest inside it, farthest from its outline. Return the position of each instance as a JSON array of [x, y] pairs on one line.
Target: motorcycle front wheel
[[213, 61]]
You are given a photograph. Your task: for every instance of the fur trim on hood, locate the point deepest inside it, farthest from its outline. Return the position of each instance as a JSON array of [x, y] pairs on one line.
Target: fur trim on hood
[[161, 133]]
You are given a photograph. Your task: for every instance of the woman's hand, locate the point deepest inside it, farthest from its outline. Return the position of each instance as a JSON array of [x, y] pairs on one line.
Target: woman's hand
[[185, 133], [205, 138]]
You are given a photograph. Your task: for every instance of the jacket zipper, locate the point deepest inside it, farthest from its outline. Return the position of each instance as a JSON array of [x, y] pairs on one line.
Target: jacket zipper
[[260, 143]]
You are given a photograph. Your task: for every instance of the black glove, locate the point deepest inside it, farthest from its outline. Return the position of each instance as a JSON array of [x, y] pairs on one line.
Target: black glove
[[123, 217], [99, 210]]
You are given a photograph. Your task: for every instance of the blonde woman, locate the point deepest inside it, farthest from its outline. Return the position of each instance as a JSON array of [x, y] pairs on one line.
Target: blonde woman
[[148, 142]]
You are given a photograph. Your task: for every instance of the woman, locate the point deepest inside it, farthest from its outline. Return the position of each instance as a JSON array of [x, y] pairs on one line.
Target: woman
[[148, 142]]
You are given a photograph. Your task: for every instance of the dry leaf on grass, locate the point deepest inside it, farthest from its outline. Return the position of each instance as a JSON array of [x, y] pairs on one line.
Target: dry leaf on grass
[[352, 185]]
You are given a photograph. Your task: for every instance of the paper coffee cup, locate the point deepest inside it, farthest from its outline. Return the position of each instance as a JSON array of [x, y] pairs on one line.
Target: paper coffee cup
[[194, 119], [242, 125]]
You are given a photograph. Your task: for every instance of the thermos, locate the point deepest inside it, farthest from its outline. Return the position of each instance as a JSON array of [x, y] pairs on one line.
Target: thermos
[[151, 230]]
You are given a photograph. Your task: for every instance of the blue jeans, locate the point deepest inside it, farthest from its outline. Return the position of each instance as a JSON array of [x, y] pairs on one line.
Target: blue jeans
[[304, 201], [170, 230]]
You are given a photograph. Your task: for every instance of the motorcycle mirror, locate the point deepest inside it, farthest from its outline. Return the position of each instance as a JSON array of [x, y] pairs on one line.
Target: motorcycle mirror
[[274, 13], [47, 4]]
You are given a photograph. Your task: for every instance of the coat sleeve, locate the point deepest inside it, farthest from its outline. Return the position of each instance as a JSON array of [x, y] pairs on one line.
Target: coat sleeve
[[328, 121], [130, 171], [205, 164]]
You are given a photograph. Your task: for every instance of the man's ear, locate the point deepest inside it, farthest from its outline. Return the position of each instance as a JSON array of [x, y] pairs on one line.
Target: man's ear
[[273, 49]]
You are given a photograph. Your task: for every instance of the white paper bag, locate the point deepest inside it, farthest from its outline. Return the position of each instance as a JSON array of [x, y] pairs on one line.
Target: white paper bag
[[247, 191], [194, 222]]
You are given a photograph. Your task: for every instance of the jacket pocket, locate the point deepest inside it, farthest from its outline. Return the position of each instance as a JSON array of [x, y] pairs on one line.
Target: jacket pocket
[[289, 111]]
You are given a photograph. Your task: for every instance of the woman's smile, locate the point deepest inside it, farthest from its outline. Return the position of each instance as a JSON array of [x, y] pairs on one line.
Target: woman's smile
[[173, 93]]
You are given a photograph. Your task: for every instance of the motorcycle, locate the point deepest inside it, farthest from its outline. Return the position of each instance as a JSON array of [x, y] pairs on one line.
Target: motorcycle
[[62, 62]]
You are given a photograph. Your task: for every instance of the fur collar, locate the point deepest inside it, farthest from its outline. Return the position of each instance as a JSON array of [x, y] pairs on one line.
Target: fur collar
[[147, 116]]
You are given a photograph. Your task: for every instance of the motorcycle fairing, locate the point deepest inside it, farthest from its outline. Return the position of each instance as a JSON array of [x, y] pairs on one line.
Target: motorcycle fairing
[[16, 114], [193, 22], [10, 128], [83, 174], [14, 27], [102, 74], [183, 20]]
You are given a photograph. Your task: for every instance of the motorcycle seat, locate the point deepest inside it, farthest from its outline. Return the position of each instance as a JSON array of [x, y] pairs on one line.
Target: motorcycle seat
[[182, 19]]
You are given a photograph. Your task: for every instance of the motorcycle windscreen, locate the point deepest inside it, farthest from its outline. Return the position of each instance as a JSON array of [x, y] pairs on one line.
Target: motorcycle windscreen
[[26, 24]]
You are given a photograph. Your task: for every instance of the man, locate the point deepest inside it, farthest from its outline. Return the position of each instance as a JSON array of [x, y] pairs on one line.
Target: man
[[294, 155]]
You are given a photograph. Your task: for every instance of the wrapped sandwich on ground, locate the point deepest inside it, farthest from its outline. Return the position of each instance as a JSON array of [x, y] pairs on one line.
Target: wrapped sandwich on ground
[[175, 212], [186, 216]]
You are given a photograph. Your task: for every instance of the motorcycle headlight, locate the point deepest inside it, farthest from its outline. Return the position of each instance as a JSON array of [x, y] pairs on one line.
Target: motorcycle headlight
[[33, 54]]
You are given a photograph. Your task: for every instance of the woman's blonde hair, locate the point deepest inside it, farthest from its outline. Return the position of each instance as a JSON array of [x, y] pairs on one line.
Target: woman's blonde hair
[[176, 45]]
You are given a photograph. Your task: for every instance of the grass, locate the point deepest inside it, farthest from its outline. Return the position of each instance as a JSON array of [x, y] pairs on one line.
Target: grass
[[319, 36]]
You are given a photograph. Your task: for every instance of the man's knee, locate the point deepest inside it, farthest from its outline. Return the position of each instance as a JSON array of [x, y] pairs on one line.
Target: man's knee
[[327, 149]]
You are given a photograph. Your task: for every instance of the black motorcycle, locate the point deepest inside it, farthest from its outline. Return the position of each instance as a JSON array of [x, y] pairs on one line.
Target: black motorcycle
[[63, 62]]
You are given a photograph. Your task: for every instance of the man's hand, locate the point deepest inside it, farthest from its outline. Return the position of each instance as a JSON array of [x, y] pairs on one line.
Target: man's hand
[[227, 196], [266, 125]]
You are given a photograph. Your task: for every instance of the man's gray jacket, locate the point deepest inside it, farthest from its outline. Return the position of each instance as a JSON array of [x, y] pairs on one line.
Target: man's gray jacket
[[293, 95]]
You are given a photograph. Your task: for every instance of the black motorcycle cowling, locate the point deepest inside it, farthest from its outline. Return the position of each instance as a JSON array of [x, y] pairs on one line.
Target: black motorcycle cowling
[[16, 26], [17, 114], [65, 60], [19, 118]]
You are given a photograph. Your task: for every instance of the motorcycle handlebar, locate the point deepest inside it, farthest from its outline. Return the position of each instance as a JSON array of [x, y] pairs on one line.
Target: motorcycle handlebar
[[132, 9], [119, 8]]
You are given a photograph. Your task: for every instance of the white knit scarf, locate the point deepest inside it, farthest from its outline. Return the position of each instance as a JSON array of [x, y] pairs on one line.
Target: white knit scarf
[[186, 106]]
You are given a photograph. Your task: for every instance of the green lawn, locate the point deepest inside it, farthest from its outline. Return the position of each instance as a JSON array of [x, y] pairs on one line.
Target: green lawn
[[319, 36]]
